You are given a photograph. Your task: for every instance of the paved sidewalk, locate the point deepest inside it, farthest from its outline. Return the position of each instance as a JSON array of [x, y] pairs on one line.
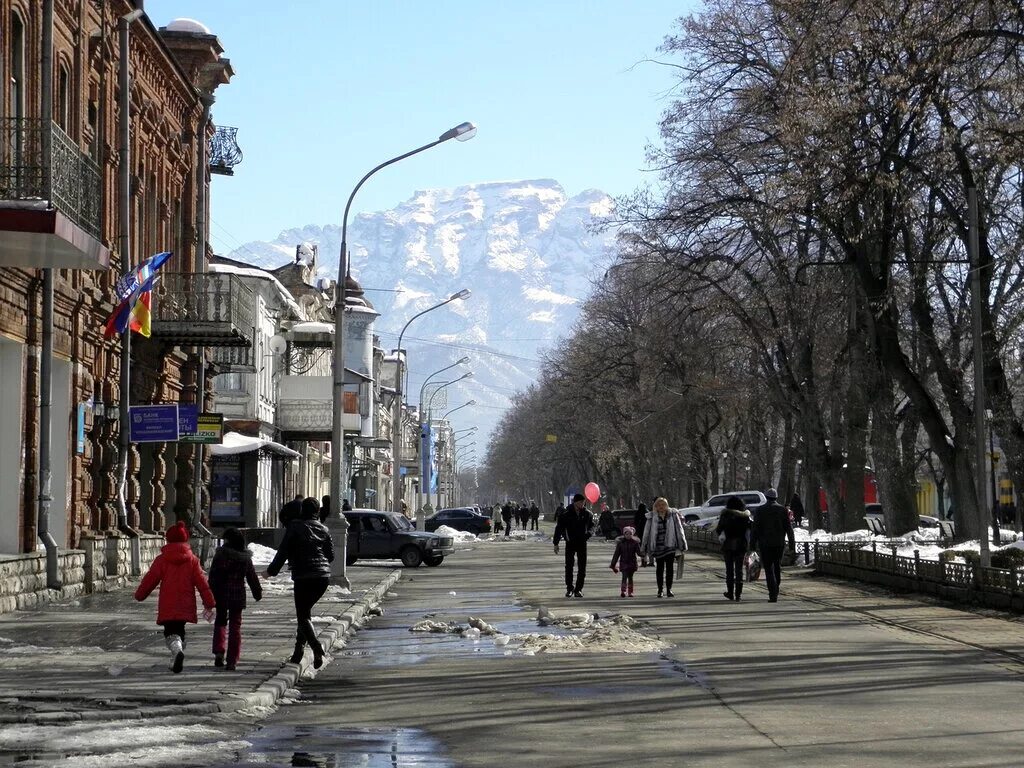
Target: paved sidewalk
[[102, 657]]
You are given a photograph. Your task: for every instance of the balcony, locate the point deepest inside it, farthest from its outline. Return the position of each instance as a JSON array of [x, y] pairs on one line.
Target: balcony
[[210, 309], [224, 151], [235, 359], [305, 406], [51, 199]]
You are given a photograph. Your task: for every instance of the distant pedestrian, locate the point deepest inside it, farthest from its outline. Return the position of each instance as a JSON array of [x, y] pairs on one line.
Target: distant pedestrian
[[559, 510], [325, 508], [291, 510], [606, 522], [179, 575], [733, 531], [576, 526], [663, 541], [308, 548], [230, 571], [640, 519], [625, 559], [506, 516], [797, 508], [534, 517], [346, 506], [768, 534]]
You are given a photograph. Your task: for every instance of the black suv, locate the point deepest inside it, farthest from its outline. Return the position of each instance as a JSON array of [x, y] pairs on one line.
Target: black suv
[[374, 535], [459, 518]]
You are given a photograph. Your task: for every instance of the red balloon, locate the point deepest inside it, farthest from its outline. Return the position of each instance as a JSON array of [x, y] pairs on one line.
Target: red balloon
[[592, 492]]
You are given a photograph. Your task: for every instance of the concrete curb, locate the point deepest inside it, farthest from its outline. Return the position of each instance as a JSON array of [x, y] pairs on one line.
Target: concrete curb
[[267, 694]]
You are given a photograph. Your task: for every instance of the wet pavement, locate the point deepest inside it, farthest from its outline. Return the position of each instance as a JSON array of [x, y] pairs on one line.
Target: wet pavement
[[832, 674]]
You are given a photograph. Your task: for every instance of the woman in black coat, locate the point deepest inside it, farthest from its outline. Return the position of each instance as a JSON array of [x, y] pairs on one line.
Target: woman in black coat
[[308, 548], [733, 530]]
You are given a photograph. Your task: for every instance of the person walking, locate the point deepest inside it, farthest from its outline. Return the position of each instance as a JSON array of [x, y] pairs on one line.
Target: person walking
[[230, 571], [325, 508], [624, 559], [308, 548], [640, 519], [178, 573], [291, 510], [768, 534], [797, 508], [576, 526], [663, 541], [733, 530], [559, 511], [534, 516], [506, 516]]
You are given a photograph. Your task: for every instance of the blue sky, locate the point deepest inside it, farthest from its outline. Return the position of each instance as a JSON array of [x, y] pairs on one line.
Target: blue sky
[[326, 89]]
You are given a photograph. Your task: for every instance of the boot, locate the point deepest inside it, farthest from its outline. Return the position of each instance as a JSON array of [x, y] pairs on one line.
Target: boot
[[177, 649], [300, 648]]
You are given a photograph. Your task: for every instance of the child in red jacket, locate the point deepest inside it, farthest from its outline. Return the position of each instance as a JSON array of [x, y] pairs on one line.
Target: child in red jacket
[[231, 570], [179, 575]]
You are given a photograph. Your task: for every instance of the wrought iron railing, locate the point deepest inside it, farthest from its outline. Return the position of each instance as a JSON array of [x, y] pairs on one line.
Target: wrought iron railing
[[235, 359], [224, 151], [68, 180], [204, 308]]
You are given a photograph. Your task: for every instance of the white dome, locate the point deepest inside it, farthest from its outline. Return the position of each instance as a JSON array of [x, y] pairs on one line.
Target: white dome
[[188, 25]]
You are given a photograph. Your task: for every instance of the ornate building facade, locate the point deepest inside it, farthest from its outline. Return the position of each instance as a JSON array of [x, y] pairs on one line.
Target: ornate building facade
[[66, 226]]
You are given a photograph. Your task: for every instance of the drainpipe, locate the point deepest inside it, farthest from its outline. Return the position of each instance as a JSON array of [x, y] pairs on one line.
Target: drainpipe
[[124, 214], [46, 352], [203, 237]]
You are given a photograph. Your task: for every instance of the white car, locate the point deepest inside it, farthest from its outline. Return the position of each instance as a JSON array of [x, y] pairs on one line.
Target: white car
[[713, 507]]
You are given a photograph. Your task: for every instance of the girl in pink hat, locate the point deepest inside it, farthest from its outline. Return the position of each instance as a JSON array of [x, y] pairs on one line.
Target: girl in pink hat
[[627, 549]]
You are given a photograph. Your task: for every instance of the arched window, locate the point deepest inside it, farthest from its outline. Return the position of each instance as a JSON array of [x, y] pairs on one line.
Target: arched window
[[16, 69], [63, 104]]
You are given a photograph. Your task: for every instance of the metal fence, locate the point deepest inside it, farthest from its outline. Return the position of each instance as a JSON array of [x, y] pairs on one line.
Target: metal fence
[[209, 307], [68, 180]]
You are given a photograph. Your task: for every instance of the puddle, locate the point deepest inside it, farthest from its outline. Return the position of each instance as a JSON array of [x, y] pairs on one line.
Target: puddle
[[342, 748]]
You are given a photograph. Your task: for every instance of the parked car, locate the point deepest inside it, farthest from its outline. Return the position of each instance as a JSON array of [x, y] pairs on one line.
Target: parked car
[[387, 535], [713, 507], [459, 518]]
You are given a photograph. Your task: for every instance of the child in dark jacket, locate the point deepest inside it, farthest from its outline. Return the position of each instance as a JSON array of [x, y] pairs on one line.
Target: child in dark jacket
[[179, 575], [627, 549], [232, 568]]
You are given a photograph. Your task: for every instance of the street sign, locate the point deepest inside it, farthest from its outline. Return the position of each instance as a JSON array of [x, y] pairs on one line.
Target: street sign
[[153, 423], [209, 430], [187, 415]]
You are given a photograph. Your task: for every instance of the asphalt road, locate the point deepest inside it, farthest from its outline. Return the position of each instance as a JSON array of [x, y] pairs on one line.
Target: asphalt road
[[830, 675]]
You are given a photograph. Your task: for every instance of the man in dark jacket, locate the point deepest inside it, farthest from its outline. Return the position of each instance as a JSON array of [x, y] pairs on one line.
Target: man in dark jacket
[[506, 517], [534, 516], [768, 534], [575, 525]]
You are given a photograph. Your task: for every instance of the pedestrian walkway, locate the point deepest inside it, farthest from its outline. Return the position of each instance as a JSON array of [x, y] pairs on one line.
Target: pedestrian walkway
[[102, 657]]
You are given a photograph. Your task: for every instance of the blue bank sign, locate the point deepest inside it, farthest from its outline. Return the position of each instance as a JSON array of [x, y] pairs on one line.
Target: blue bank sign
[[153, 423]]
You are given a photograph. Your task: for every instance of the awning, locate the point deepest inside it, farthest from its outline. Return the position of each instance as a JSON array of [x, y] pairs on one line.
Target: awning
[[235, 443]]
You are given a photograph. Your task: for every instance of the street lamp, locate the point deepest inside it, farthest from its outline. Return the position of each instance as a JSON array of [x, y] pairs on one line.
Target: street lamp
[[462, 132], [457, 408], [396, 414], [424, 426]]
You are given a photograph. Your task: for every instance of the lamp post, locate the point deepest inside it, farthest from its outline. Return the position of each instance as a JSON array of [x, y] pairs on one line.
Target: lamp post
[[424, 427], [396, 411], [461, 132], [445, 418]]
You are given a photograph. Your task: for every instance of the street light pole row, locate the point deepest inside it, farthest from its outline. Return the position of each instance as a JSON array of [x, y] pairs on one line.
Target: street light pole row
[[396, 411], [461, 132]]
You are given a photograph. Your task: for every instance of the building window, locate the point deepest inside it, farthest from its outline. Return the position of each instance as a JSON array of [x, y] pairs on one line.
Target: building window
[[16, 105], [229, 382], [64, 99]]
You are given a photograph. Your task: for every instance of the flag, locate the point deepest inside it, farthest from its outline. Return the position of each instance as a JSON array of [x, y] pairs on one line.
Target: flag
[[140, 315], [133, 307], [118, 322], [130, 283]]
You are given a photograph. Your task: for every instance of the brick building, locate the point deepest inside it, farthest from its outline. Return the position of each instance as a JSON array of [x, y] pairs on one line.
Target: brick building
[[67, 225]]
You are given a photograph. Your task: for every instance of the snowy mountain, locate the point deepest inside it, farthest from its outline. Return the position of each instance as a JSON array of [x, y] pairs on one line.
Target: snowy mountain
[[525, 249]]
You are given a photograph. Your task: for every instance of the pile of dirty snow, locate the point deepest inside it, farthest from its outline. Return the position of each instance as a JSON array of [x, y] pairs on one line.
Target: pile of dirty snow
[[262, 556], [460, 537]]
